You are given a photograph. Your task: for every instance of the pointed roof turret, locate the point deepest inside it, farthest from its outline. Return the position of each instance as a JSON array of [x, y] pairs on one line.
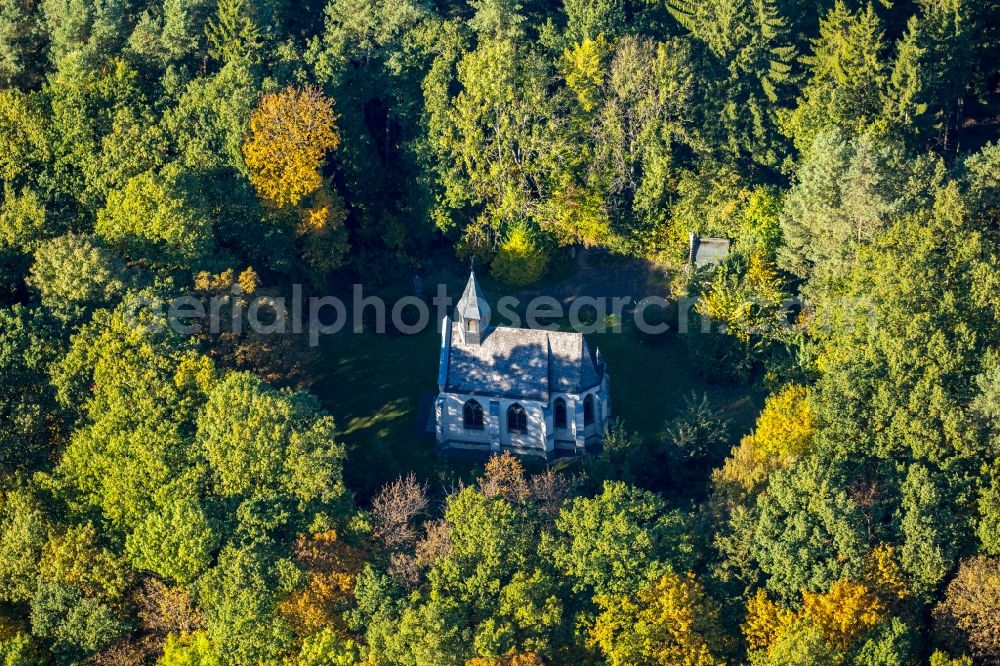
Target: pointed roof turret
[[472, 306]]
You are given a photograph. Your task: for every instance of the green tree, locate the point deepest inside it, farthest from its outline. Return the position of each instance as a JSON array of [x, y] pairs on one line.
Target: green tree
[[989, 512], [495, 144], [207, 125], [760, 228], [85, 108], [24, 138], [619, 540], [696, 431], [21, 39], [848, 78], [497, 19], [931, 541], [23, 528], [154, 218], [326, 648], [19, 650], [932, 72], [77, 626], [238, 598], [136, 428], [892, 642], [134, 144], [83, 33], [890, 357], [275, 447], [176, 542], [490, 585], [745, 297], [801, 645], [648, 116], [76, 605], [623, 457], [233, 34], [74, 556], [587, 20], [807, 532], [375, 58], [73, 275], [23, 223], [33, 421], [173, 32], [753, 67]]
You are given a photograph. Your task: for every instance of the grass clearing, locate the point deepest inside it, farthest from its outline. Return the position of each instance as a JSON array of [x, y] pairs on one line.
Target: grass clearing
[[373, 384]]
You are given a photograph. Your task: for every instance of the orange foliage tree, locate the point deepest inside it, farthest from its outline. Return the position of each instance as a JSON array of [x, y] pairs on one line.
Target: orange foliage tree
[[332, 566]]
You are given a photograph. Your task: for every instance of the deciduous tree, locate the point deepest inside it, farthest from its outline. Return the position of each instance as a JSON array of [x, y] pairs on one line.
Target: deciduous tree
[[291, 132], [671, 621]]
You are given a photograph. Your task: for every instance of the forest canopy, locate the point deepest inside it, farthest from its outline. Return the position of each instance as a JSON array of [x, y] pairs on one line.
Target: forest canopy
[[171, 498]]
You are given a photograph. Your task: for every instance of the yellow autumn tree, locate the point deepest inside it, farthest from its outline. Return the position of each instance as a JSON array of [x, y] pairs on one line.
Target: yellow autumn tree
[[291, 132], [584, 67], [747, 300], [846, 611], [766, 621], [673, 621], [522, 258], [784, 432], [248, 281], [576, 213], [885, 576]]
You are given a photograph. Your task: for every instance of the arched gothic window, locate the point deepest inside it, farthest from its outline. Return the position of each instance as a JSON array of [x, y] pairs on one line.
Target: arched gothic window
[[560, 413], [588, 410], [472, 415], [517, 419]]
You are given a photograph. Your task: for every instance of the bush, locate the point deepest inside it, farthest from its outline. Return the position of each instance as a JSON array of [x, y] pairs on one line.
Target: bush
[[523, 258]]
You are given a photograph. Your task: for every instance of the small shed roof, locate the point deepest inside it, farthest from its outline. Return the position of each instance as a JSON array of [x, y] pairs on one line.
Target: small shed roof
[[706, 251]]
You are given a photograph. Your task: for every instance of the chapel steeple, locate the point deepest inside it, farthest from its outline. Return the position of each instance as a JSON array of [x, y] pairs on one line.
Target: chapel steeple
[[472, 312]]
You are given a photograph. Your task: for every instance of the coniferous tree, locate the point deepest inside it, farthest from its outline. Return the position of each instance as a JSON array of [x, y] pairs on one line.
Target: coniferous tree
[[234, 34], [848, 78], [932, 72]]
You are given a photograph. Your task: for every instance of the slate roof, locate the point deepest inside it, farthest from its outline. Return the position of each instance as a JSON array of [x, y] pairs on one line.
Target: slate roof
[[518, 362], [473, 303], [708, 251]]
